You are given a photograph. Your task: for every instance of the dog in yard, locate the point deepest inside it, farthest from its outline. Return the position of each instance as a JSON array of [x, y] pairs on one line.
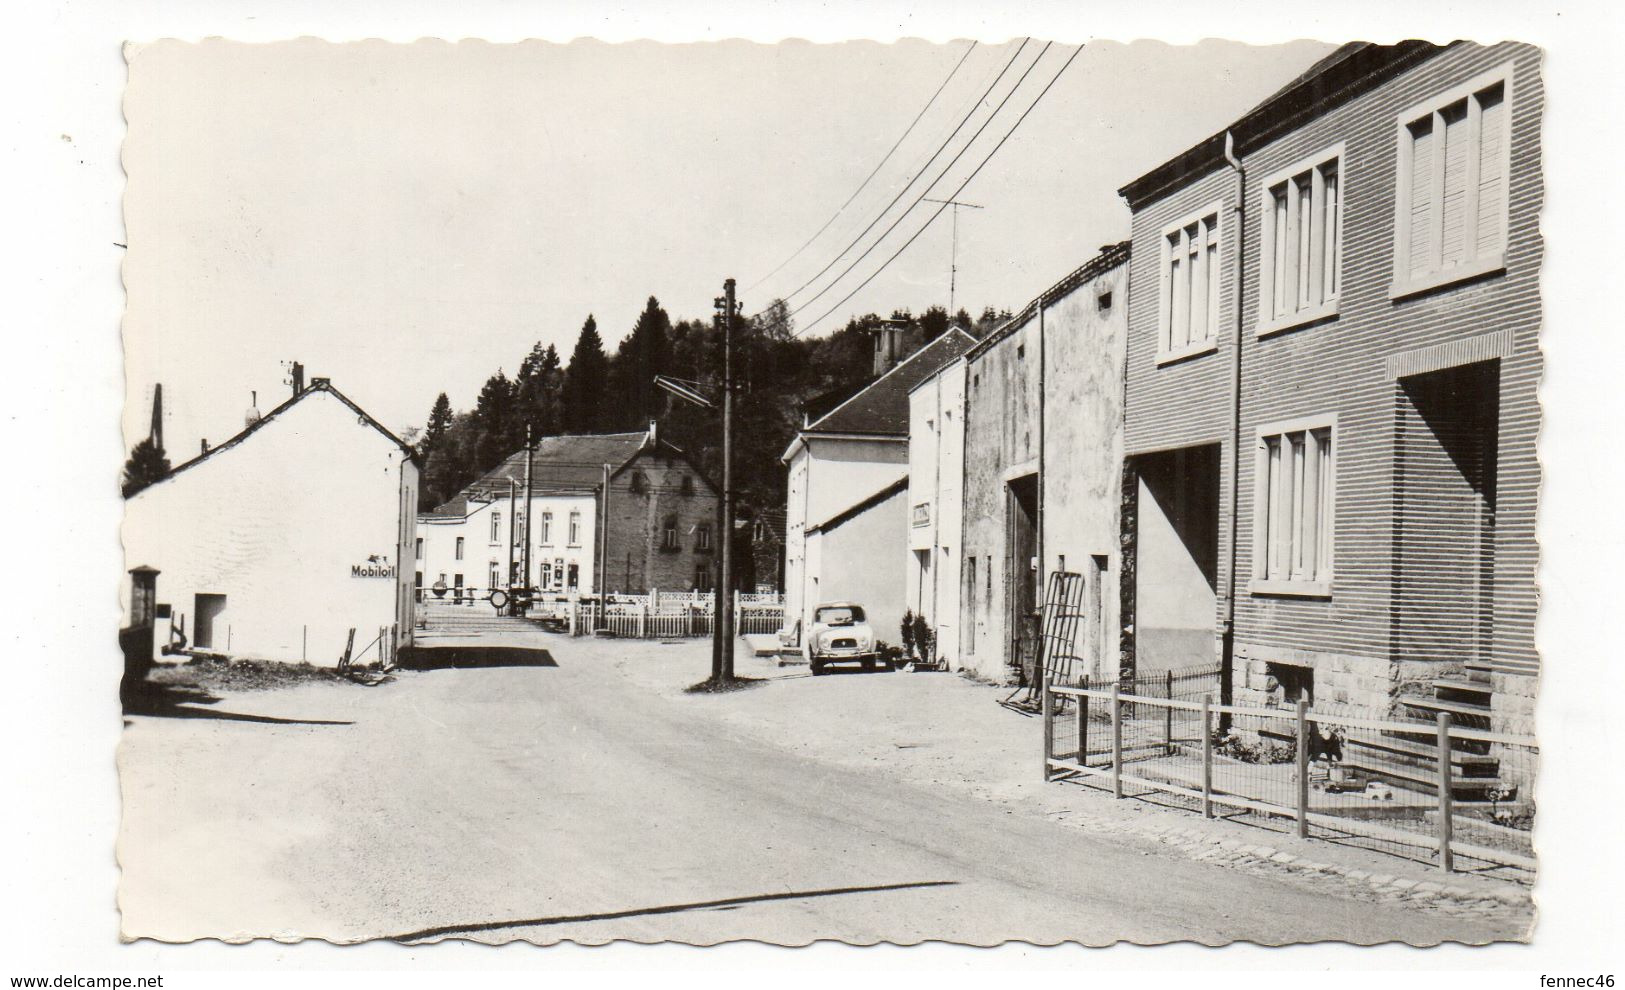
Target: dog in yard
[[1328, 747]]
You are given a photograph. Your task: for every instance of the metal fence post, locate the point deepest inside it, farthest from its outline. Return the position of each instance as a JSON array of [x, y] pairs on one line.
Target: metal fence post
[[1117, 740], [1303, 768], [1049, 726], [1446, 799], [1168, 716], [1207, 756]]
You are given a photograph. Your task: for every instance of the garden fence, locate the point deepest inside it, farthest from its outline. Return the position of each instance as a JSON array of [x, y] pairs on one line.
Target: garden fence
[[1451, 794]]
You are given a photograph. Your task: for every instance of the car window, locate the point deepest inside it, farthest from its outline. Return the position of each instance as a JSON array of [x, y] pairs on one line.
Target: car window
[[839, 616]]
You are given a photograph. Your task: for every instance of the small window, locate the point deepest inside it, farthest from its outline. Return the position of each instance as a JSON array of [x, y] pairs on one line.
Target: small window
[[575, 529], [1103, 302], [574, 580], [460, 548], [417, 549], [702, 537], [1021, 351], [702, 577], [687, 485], [1451, 211], [1189, 313], [668, 537], [1287, 684], [1294, 496], [547, 529], [493, 574], [496, 527], [639, 483]]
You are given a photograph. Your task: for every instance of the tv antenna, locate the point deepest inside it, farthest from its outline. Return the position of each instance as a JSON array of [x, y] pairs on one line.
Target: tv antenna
[[953, 250]]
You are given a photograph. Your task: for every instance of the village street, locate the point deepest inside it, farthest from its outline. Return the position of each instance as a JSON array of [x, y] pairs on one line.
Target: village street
[[594, 800]]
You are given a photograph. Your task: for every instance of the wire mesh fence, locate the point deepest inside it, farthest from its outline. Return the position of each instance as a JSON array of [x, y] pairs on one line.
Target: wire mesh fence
[[1438, 792]]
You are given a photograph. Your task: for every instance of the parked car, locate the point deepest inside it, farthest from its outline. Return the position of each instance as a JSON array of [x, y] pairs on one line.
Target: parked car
[[840, 633]]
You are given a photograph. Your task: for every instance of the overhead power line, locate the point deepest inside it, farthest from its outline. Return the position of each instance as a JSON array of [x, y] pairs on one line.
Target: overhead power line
[[870, 177], [923, 169], [953, 195], [945, 170]]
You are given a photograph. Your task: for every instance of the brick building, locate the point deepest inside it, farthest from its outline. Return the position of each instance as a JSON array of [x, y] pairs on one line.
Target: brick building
[[658, 532], [1330, 404]]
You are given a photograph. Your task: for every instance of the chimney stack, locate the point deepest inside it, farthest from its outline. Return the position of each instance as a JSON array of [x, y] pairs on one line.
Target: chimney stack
[[654, 433], [203, 444], [252, 416], [157, 433], [298, 378]]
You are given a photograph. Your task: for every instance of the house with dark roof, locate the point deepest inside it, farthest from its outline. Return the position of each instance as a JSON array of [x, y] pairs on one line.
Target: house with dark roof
[[279, 542], [852, 462], [617, 512]]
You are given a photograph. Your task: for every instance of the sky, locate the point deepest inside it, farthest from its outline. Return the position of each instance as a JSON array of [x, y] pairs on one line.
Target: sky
[[407, 219]]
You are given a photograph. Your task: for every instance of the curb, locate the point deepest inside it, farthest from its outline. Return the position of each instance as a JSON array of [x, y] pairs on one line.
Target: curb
[[1201, 845]]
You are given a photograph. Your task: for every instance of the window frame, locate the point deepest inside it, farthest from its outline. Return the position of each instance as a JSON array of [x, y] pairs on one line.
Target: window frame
[[1404, 284], [458, 549], [1320, 585], [1166, 352], [496, 528], [575, 528], [1269, 322], [547, 529]]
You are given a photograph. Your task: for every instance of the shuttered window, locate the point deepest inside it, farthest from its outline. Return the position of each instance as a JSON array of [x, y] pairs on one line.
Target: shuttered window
[[1190, 286], [1294, 498], [1451, 218], [1301, 274]]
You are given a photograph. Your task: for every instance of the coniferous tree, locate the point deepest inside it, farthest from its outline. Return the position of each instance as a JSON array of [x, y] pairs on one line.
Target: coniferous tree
[[645, 353], [585, 380], [500, 430], [539, 383], [146, 465]]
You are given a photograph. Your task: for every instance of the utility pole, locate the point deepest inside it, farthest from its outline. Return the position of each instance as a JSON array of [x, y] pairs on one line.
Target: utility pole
[[525, 552], [725, 593], [953, 248], [513, 508]]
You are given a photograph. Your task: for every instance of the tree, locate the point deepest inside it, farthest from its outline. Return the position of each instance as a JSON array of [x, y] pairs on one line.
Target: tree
[[540, 381], [585, 381], [645, 353], [439, 421], [500, 430], [146, 465]]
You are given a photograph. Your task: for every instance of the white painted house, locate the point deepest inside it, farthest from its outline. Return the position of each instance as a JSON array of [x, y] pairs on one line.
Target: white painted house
[[850, 461], [277, 542], [936, 472], [463, 546]]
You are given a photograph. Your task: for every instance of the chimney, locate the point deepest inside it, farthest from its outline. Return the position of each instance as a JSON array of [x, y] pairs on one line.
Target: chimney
[[888, 344], [298, 378], [252, 416], [203, 445], [654, 434], [157, 433], [320, 382]]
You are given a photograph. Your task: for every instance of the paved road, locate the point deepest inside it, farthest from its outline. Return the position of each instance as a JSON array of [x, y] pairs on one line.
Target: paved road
[[552, 803]]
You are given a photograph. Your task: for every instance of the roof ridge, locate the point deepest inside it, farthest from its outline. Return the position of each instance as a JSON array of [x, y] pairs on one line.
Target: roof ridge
[[945, 335]]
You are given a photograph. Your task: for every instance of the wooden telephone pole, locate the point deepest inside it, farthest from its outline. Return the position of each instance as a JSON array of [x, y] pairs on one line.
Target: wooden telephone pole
[[722, 653]]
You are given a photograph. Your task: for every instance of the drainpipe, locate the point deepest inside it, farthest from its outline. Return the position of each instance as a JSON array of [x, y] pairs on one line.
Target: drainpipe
[[1038, 537], [1239, 212]]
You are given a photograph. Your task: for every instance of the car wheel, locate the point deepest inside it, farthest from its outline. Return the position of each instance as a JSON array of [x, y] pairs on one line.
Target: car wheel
[[817, 668], [868, 665]]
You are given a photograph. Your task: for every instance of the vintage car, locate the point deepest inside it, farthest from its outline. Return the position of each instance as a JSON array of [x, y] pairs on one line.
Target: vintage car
[[840, 634]]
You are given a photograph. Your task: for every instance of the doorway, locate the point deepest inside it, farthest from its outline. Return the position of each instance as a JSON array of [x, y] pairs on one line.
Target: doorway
[[206, 612], [1021, 544]]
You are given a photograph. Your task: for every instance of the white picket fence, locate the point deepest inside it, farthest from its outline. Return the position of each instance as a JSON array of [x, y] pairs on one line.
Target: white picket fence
[[662, 614]]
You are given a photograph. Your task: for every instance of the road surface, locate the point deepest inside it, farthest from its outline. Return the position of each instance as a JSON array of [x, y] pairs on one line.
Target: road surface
[[569, 802]]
